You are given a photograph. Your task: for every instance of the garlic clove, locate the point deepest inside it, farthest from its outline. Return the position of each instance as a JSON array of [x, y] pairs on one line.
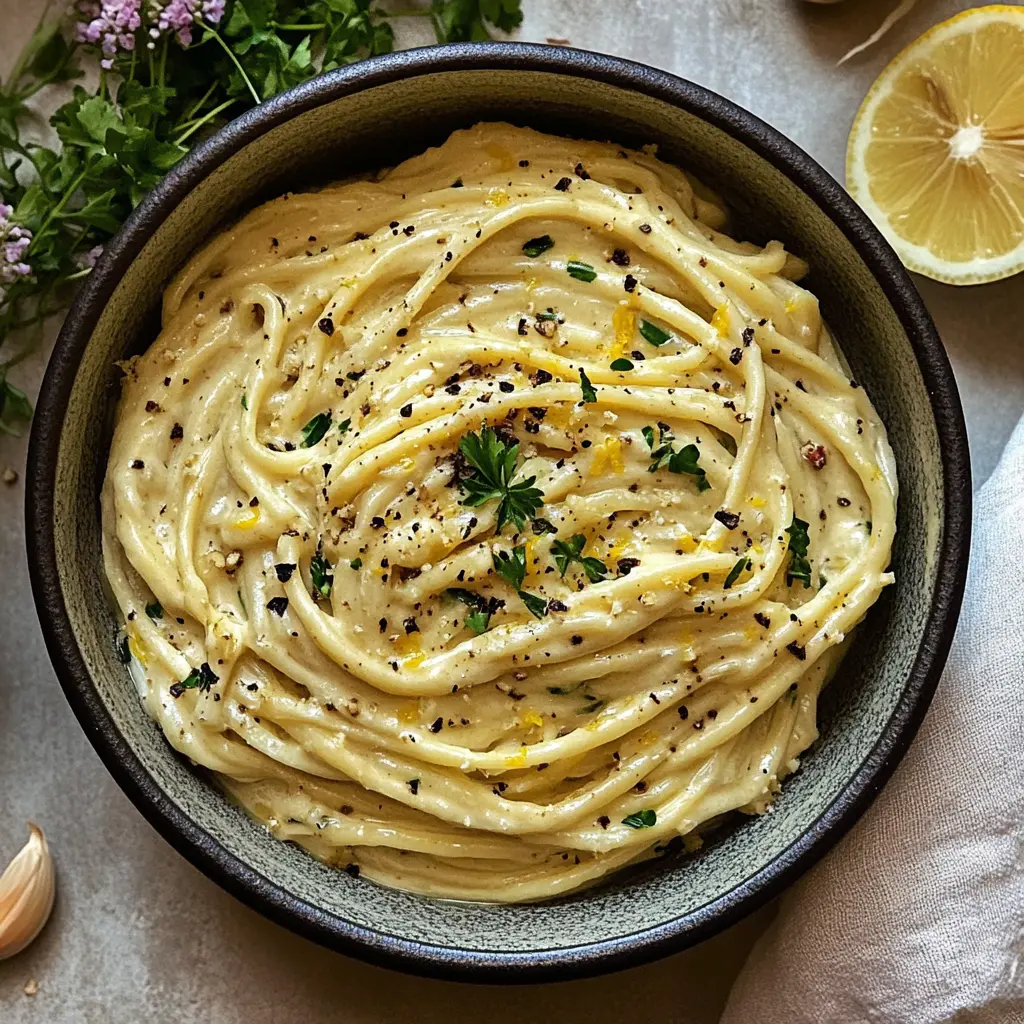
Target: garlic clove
[[27, 889]]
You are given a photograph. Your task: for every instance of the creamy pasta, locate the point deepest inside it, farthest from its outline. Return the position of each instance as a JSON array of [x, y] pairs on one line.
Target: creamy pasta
[[493, 523]]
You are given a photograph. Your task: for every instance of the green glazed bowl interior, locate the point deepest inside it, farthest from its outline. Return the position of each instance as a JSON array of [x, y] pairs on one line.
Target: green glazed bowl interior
[[371, 115]]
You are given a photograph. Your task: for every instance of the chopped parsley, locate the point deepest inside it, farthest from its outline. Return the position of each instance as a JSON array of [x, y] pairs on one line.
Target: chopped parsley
[[155, 610], [481, 609], [622, 364], [315, 429], [245, 402], [537, 246], [799, 564], [589, 394], [567, 552], [494, 464], [663, 456], [343, 426], [653, 333], [580, 271], [642, 819], [124, 654], [321, 575], [511, 567], [201, 678], [734, 572], [355, 563]]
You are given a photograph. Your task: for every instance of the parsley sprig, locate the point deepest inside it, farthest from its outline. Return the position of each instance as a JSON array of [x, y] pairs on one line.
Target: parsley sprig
[[118, 138], [799, 564], [494, 462], [664, 456], [566, 552], [511, 567]]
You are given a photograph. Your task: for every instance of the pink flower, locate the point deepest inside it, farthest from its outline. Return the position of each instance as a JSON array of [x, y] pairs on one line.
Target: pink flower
[[14, 243], [179, 16], [110, 23], [87, 260]]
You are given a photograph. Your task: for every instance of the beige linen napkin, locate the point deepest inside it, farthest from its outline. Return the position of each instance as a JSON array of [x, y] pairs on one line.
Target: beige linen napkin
[[917, 916]]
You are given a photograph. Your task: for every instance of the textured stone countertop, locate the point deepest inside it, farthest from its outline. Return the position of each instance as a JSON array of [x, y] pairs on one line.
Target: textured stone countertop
[[138, 934]]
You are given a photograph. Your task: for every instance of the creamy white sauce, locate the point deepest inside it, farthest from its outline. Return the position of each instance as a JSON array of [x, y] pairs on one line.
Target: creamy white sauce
[[487, 751]]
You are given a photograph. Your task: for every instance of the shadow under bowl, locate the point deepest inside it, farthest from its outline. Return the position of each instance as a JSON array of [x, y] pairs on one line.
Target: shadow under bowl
[[374, 114]]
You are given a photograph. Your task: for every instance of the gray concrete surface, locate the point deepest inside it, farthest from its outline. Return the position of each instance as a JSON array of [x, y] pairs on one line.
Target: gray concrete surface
[[138, 934]]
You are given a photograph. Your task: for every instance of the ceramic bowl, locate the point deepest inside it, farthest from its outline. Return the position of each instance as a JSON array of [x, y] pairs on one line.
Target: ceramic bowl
[[373, 114]]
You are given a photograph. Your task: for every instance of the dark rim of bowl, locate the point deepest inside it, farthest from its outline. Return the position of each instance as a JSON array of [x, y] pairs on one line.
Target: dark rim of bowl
[[249, 885]]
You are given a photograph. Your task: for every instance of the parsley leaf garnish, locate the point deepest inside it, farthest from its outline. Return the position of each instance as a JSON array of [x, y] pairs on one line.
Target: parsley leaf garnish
[[589, 394], [315, 429], [734, 572], [511, 567], [536, 246], [580, 271], [664, 456], [155, 610], [566, 552], [482, 608], [642, 819], [201, 678], [621, 365], [653, 333], [321, 575], [535, 605], [799, 564], [494, 463]]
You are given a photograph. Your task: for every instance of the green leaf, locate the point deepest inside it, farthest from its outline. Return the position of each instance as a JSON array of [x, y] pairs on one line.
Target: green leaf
[[686, 461], [580, 271], [321, 575], [567, 552], [734, 572], [799, 564], [315, 429], [14, 405], [478, 621], [589, 394], [494, 464], [642, 819], [535, 605], [460, 21], [355, 563], [155, 610], [511, 567], [621, 365], [479, 617], [653, 333], [536, 246]]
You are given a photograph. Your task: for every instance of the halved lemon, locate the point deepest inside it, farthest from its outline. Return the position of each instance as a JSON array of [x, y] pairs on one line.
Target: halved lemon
[[936, 153]]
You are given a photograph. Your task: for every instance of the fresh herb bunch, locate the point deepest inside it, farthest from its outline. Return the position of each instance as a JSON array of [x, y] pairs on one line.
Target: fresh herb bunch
[[169, 71]]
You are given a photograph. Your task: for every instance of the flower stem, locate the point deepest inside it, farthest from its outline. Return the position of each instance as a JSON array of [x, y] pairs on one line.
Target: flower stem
[[234, 60], [196, 107], [68, 193], [203, 120], [300, 28]]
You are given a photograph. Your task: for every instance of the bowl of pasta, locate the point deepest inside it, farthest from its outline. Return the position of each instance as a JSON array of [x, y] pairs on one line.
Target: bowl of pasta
[[503, 474]]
